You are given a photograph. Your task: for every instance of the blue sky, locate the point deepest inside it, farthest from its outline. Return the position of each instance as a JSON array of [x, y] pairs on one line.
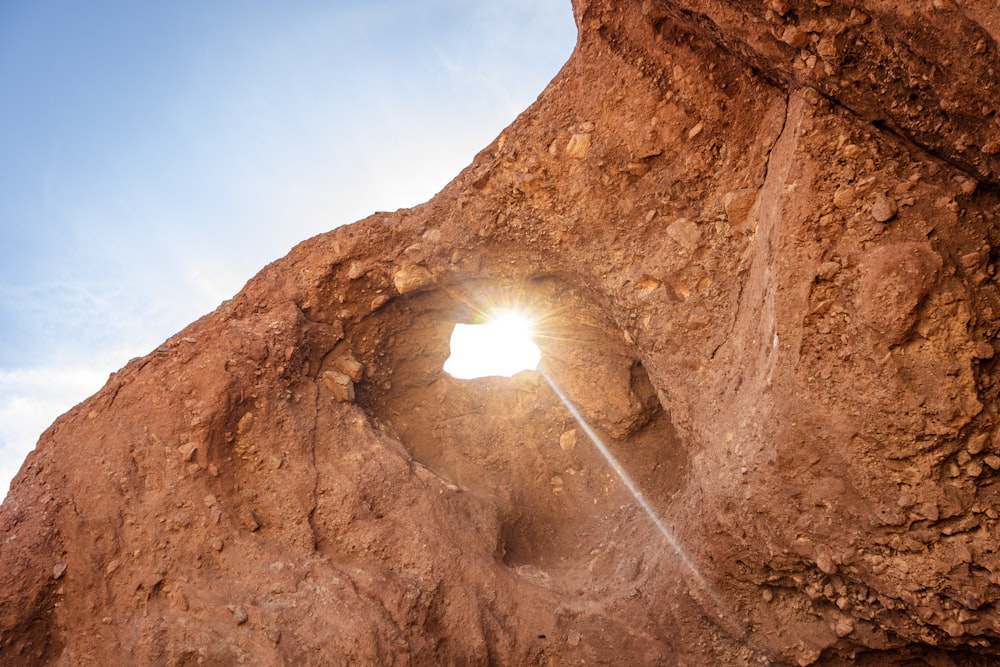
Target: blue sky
[[155, 155]]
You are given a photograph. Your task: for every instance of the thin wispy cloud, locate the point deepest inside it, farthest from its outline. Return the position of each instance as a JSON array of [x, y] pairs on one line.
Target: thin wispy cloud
[[30, 400]]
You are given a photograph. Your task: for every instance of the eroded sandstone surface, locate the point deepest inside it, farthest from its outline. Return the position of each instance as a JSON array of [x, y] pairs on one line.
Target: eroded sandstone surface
[[762, 240]]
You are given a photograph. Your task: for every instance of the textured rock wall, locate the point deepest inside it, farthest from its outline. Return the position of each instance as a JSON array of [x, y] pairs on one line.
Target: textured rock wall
[[760, 238]]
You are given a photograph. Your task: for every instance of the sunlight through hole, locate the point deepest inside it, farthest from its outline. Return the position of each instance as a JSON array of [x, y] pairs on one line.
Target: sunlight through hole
[[501, 346]]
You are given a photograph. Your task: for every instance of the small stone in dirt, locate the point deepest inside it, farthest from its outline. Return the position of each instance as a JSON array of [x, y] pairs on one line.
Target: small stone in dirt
[[239, 613], [844, 626], [217, 544], [977, 443], [245, 423], [795, 37], [779, 7], [884, 209], [685, 232], [356, 270], [250, 519], [567, 441], [574, 637], [637, 168], [738, 204], [828, 270], [58, 570], [825, 562], [188, 450], [984, 350], [993, 461], [843, 197], [350, 367], [340, 385], [578, 146], [411, 278], [274, 636]]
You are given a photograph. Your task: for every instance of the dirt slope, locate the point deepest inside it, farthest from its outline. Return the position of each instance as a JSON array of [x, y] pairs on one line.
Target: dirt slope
[[760, 237]]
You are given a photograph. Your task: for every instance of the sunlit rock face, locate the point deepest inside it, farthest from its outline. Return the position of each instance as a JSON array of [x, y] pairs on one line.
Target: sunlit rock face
[[760, 241]]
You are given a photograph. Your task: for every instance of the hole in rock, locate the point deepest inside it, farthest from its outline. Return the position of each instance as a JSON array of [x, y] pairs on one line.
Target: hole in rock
[[565, 518], [501, 345]]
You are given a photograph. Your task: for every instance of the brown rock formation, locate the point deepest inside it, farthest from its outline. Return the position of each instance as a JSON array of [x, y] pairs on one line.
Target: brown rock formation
[[762, 239]]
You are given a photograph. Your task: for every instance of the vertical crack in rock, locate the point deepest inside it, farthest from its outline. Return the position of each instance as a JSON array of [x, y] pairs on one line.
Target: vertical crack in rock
[[313, 434]]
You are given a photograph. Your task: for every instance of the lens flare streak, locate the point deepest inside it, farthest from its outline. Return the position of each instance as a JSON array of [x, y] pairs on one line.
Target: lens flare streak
[[723, 614], [627, 480]]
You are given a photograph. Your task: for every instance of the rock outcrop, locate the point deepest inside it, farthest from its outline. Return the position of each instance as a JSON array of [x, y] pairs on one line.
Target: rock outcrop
[[762, 240]]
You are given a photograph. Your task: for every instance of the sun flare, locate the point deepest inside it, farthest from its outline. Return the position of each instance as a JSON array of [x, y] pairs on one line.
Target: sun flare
[[500, 346]]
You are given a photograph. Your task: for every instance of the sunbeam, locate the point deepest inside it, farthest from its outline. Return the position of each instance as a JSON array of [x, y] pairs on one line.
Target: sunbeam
[[694, 575]]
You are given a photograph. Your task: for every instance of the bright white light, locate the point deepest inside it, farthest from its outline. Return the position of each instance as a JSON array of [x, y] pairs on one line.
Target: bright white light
[[500, 346]]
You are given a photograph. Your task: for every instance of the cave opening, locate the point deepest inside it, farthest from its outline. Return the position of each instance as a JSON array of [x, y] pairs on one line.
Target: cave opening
[[507, 437], [502, 345]]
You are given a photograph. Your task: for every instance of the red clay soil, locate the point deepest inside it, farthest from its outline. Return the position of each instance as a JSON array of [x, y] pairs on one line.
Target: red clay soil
[[761, 238]]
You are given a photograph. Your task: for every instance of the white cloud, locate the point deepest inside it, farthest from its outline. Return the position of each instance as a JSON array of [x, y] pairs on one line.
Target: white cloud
[[30, 400]]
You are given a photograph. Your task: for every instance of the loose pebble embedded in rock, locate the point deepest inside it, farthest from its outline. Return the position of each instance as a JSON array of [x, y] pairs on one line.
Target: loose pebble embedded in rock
[[843, 197], [350, 367], [567, 441], [411, 278], [239, 613], [795, 37], [738, 204], [356, 270], [844, 626], [188, 451], [578, 146], [685, 232], [884, 208], [250, 520], [340, 385], [984, 350], [245, 423], [977, 443], [824, 561]]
